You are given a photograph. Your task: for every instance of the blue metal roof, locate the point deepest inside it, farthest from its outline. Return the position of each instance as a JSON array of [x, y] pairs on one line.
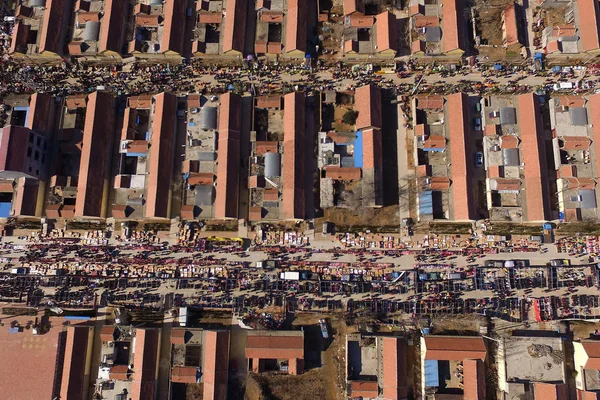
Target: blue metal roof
[[432, 376], [426, 203], [5, 209], [358, 150]]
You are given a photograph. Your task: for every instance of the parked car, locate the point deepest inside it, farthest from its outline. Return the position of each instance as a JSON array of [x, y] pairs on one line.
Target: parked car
[[479, 159]]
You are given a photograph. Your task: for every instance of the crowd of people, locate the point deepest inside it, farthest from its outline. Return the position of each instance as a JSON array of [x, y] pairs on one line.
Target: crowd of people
[[73, 77]]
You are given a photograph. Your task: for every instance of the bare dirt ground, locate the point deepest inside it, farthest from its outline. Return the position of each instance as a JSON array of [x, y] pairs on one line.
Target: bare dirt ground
[[326, 382], [554, 15], [490, 24], [583, 329], [457, 325], [364, 217], [307, 386], [195, 391]]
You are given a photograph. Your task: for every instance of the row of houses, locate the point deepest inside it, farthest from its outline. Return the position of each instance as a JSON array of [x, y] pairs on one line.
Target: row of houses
[[155, 29], [506, 158], [444, 29], [111, 30]]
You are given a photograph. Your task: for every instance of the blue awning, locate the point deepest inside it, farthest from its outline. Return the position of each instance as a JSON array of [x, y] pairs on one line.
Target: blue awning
[[426, 203], [358, 150], [432, 376]]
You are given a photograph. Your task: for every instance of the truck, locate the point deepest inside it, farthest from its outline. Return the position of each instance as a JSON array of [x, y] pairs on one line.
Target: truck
[[183, 316]]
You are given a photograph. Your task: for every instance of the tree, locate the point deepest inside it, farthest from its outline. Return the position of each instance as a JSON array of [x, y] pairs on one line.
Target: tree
[[349, 118]]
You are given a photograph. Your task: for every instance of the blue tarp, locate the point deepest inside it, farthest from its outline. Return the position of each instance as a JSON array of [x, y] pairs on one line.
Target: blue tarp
[[5, 209], [135, 154], [358, 150], [13, 330], [426, 203], [432, 376], [78, 317]]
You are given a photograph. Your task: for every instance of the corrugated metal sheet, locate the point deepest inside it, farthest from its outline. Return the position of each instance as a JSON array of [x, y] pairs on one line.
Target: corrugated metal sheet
[[91, 31], [272, 164], [208, 118]]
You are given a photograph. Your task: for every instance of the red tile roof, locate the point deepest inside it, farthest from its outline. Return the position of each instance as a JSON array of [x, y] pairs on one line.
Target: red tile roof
[[549, 391], [147, 21], [387, 32], [368, 104], [552, 46], [74, 365], [536, 184], [474, 379], [351, 46], [178, 336], [395, 373], [255, 213], [174, 27], [435, 142], [145, 364], [364, 389], [27, 194], [55, 16], [594, 113], [507, 184], [293, 204], [40, 113], [265, 345], [592, 349], [454, 347], [271, 194], [491, 130], [112, 26], [567, 171], [458, 122], [263, 147], [19, 38], [426, 20], [372, 149], [453, 25], [107, 333], [570, 101], [95, 155], [228, 169], [564, 30], [216, 365], [273, 101], [271, 16], [589, 26], [509, 142], [184, 374], [576, 142], [119, 211], [362, 21], [589, 395], [84, 17], [201, 178], [426, 102], [439, 183], [511, 30], [342, 173], [235, 26], [6, 186], [161, 156], [296, 26], [205, 17], [354, 6], [118, 373]]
